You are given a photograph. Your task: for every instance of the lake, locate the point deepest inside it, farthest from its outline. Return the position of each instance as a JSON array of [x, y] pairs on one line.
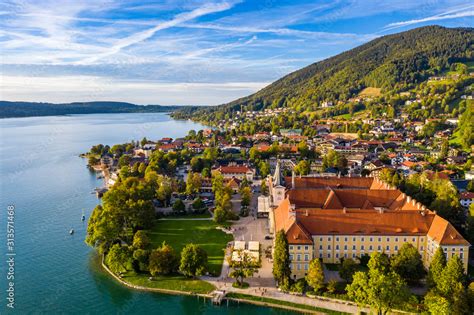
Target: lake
[[49, 186]]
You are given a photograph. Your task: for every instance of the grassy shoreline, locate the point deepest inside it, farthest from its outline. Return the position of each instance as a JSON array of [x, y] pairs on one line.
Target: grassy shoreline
[[303, 308]]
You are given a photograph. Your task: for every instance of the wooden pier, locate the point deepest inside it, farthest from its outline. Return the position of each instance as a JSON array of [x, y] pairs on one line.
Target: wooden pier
[[217, 297]]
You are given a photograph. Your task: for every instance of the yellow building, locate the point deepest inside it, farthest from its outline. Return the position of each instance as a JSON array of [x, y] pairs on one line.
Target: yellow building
[[336, 218]]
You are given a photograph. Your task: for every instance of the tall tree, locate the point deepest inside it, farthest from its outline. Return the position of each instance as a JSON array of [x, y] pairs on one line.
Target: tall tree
[[163, 260], [315, 276], [408, 264], [379, 287], [244, 267], [193, 260], [119, 258], [281, 259], [347, 269], [438, 262]]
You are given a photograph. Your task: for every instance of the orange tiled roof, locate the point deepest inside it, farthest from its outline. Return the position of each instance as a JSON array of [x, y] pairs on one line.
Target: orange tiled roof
[[356, 209], [234, 169]]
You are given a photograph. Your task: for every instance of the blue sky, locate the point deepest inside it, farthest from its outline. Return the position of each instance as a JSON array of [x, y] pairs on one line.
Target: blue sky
[[187, 52]]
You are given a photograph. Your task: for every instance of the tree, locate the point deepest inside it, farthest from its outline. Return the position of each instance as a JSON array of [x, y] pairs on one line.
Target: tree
[[178, 206], [246, 195], [438, 262], [119, 258], [243, 267], [315, 276], [303, 167], [281, 259], [347, 269], [452, 274], [193, 260], [141, 257], [408, 264], [380, 262], [163, 260], [379, 287], [220, 215], [193, 183], [141, 240], [199, 205]]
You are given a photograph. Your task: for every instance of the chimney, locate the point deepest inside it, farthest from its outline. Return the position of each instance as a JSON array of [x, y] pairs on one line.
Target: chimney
[[423, 212], [306, 213], [381, 210], [408, 199], [344, 210]]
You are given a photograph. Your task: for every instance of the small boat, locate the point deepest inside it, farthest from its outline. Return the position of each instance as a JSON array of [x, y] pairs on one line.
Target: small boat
[[71, 231], [83, 218]]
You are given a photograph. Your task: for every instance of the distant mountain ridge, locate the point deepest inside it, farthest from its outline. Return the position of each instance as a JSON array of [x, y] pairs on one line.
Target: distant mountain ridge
[[27, 109], [389, 62]]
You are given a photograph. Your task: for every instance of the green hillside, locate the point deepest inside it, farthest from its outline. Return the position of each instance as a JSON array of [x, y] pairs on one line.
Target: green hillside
[[393, 62]]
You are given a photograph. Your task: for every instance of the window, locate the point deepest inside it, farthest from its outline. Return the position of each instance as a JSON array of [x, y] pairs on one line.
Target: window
[[396, 248], [305, 266], [329, 255], [345, 239], [461, 249], [337, 247], [362, 247], [452, 249], [298, 257], [413, 240], [345, 247], [306, 247], [353, 255], [362, 239], [291, 247], [421, 248], [337, 255], [337, 239], [299, 266], [291, 257], [422, 239], [320, 255], [452, 254], [388, 239], [380, 239], [388, 247], [379, 247], [329, 238], [370, 247], [320, 247], [329, 246], [298, 248], [353, 239], [353, 247], [371, 239], [461, 255], [320, 239], [306, 257], [405, 239], [396, 239]]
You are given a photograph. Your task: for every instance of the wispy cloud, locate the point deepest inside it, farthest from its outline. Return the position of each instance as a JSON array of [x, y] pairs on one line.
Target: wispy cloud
[[141, 36], [467, 11]]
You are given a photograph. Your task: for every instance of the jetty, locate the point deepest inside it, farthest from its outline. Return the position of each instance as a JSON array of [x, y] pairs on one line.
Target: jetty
[[217, 297]]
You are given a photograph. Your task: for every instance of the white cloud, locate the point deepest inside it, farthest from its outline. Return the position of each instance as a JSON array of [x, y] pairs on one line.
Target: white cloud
[[451, 14]]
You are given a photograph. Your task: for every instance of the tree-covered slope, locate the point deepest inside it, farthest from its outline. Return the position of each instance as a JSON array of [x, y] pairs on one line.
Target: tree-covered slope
[[25, 109], [390, 62]]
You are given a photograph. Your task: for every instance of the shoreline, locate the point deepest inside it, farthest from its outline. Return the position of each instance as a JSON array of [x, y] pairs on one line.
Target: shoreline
[[209, 296]]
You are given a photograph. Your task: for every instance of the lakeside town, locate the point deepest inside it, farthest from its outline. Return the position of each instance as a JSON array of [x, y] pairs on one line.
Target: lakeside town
[[327, 221]]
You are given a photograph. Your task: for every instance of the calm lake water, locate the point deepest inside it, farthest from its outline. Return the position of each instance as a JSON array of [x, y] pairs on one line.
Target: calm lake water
[[49, 185]]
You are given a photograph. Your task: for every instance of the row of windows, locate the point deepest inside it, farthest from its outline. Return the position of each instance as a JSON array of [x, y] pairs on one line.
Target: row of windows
[[298, 257], [298, 266], [362, 247], [371, 239], [298, 247]]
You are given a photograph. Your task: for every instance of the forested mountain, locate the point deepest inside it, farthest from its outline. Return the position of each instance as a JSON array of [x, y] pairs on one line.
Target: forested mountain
[[393, 63], [25, 109]]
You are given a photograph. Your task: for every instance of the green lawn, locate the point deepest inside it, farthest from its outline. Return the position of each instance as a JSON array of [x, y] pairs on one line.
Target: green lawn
[[177, 283], [190, 216], [178, 233], [281, 302]]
